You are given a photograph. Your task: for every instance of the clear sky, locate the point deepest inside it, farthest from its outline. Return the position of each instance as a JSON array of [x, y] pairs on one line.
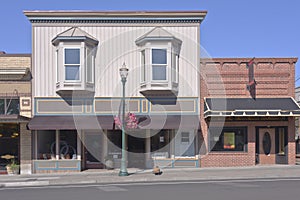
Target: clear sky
[[232, 28]]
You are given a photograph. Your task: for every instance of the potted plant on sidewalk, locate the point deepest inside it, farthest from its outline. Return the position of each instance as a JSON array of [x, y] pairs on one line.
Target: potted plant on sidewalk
[[13, 168]]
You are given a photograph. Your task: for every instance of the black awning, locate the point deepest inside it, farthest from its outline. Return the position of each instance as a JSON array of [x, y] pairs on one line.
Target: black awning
[[225, 107], [71, 122]]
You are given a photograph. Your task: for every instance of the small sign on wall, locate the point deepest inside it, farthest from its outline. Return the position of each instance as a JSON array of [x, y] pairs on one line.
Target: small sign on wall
[[162, 139]]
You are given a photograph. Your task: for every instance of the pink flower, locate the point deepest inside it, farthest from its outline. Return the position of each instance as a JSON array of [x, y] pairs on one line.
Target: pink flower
[[131, 121]]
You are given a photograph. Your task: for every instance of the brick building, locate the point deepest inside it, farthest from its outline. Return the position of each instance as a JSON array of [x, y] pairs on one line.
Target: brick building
[[15, 110], [248, 111]]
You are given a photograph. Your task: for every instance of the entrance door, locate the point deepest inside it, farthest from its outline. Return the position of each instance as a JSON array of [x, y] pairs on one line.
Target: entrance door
[[136, 152], [267, 146], [93, 150]]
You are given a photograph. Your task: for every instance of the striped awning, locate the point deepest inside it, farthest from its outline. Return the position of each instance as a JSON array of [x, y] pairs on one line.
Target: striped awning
[[248, 107]]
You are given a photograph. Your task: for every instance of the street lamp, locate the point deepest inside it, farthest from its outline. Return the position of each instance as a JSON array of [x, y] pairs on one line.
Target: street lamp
[[123, 169]]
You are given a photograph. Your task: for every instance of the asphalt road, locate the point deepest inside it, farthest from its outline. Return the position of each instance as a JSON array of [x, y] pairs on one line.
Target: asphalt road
[[268, 189]]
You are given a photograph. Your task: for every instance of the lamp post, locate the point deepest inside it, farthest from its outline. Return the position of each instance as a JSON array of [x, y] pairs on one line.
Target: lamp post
[[123, 169]]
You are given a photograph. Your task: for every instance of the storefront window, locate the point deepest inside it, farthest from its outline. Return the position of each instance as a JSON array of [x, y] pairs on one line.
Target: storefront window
[[228, 139], [68, 144], [45, 139], [46, 144]]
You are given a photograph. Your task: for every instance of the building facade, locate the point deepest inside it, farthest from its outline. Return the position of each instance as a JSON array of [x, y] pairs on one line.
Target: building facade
[[15, 110], [297, 123], [248, 111], [185, 111], [77, 89]]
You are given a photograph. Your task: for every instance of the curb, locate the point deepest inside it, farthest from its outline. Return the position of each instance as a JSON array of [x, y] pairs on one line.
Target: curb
[[25, 184]]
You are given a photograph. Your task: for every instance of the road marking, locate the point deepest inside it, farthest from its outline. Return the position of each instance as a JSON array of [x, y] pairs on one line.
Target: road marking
[[112, 189]]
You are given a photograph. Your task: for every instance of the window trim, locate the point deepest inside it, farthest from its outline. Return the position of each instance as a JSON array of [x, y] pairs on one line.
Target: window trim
[[143, 73], [57, 64], [87, 48]]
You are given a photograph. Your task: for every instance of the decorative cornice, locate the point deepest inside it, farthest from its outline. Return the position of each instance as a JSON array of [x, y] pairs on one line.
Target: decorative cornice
[[112, 21], [115, 16], [246, 60]]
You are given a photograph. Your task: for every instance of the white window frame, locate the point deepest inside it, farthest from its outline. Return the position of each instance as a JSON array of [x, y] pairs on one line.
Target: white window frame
[[143, 64], [57, 64], [175, 67], [92, 64], [80, 63]]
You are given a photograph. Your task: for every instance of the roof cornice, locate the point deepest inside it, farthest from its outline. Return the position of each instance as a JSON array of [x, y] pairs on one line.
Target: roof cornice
[[115, 16]]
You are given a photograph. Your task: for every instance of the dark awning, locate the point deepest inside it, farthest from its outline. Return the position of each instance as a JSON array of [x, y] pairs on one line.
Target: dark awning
[[71, 122], [240, 107], [169, 122], [107, 122]]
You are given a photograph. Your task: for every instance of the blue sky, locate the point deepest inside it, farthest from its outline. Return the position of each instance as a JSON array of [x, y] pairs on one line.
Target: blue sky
[[232, 28]]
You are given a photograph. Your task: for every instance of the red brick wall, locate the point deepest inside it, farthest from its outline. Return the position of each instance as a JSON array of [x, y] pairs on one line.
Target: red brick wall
[[274, 76], [228, 77]]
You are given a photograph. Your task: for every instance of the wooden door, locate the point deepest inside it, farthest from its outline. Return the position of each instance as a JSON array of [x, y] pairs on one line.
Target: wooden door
[[267, 146]]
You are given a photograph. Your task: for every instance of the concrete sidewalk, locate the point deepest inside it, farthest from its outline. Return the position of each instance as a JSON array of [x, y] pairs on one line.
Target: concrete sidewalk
[[137, 176]]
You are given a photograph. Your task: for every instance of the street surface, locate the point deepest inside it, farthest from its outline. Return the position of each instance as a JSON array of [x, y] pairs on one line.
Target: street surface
[[246, 189]]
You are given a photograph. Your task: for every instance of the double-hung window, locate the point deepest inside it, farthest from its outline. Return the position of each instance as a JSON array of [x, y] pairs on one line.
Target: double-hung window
[[72, 64], [159, 64]]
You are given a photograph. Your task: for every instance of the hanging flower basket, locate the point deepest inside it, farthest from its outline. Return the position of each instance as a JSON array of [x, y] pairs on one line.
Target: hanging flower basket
[[131, 121]]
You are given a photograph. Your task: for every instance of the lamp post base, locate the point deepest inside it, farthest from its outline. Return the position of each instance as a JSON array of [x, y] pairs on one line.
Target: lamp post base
[[121, 173]]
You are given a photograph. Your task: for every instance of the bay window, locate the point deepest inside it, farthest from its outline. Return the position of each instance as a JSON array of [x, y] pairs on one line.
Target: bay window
[[159, 62], [75, 62]]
